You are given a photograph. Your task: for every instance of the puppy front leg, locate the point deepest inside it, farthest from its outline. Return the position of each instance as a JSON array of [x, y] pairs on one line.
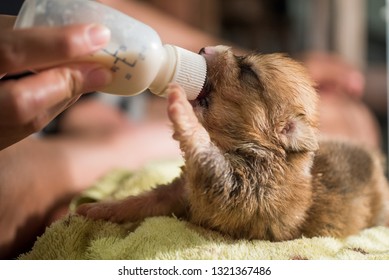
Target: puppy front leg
[[164, 200], [187, 129], [203, 159]]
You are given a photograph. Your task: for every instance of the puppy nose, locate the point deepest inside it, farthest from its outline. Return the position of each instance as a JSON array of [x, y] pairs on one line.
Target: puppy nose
[[207, 51], [214, 50]]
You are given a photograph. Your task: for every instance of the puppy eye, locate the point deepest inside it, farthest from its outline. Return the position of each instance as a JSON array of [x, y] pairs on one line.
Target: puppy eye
[[246, 70]]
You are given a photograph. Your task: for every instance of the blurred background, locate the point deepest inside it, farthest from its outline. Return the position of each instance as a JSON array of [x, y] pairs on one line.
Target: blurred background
[[353, 29]]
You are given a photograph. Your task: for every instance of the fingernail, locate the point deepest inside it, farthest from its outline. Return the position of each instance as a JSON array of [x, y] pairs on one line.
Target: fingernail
[[97, 78], [98, 35]]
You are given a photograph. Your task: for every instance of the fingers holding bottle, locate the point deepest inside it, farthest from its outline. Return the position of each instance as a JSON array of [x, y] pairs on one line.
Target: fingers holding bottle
[[29, 103], [42, 47]]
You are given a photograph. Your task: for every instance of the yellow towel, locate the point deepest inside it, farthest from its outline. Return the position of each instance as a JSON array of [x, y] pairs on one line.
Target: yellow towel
[[75, 237]]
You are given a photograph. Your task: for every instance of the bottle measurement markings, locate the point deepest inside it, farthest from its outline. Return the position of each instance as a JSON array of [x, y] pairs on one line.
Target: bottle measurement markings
[[117, 58]]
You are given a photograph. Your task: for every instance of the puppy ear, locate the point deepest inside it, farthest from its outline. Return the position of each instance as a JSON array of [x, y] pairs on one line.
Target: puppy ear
[[298, 136]]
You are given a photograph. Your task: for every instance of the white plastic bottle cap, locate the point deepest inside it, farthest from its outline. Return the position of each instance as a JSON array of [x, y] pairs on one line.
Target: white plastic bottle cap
[[190, 73]]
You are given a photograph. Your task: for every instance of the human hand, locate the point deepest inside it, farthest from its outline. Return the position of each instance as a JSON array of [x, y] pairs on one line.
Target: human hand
[[333, 75], [29, 103]]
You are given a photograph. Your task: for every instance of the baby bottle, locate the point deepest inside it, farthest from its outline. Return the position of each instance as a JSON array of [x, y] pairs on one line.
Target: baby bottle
[[135, 53]]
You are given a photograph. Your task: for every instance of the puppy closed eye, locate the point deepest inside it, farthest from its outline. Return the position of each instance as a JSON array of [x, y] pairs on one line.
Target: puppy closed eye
[[247, 74]]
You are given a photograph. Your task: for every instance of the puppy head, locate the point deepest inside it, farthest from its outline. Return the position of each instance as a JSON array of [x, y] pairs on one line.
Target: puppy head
[[267, 100]]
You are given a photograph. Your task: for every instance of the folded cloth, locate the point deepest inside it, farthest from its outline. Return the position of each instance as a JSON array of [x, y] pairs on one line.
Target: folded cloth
[[75, 237]]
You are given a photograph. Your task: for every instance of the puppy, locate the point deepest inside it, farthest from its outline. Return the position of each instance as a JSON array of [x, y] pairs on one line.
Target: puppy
[[254, 167]]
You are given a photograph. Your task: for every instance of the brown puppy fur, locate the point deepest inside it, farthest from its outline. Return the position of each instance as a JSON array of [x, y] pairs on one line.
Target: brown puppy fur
[[254, 167]]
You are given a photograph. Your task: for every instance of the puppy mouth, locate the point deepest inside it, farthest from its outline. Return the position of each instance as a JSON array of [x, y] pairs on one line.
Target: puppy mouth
[[203, 98]]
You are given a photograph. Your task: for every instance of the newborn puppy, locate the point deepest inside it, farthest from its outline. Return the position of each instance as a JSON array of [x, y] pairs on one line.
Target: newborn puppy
[[254, 167]]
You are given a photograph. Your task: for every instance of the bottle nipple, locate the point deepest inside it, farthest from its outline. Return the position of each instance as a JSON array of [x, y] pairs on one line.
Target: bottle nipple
[[190, 73], [186, 68]]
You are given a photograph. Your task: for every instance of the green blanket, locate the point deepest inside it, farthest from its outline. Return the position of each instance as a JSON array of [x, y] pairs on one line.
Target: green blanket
[[75, 237]]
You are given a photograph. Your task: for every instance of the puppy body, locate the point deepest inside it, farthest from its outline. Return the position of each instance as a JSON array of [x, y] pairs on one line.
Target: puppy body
[[254, 167]]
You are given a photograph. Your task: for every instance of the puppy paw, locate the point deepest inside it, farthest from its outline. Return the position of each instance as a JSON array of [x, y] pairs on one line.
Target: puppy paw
[[187, 128], [181, 112], [116, 212]]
